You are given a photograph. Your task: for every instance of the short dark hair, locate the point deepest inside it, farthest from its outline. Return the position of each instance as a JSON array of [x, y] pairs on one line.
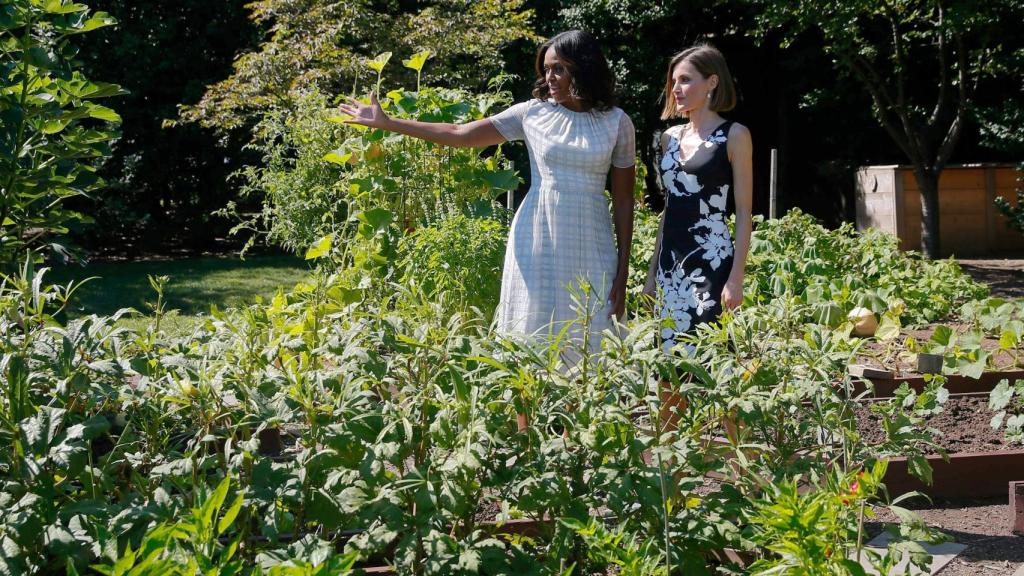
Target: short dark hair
[[593, 82], [709, 62]]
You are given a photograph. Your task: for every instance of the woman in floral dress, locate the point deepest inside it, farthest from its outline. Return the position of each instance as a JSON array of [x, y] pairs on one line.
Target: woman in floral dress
[[696, 270], [562, 233]]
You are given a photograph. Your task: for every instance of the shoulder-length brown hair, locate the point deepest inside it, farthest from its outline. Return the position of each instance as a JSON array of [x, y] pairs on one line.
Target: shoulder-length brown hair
[[709, 62], [593, 82]]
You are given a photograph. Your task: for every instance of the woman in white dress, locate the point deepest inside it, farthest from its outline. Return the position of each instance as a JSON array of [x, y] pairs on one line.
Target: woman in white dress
[[562, 233]]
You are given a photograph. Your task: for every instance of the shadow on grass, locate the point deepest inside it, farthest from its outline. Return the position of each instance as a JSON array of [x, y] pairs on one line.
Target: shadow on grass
[[195, 284]]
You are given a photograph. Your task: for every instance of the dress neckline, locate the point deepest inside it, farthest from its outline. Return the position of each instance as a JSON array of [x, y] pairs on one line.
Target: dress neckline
[[559, 106], [702, 142]]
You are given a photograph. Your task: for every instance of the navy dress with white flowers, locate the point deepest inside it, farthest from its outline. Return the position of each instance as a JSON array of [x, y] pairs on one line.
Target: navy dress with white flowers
[[696, 248]]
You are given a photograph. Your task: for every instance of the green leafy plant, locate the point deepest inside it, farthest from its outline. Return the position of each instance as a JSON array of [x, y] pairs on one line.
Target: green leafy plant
[[459, 258], [318, 174], [794, 257], [52, 133], [1006, 401], [822, 531], [394, 427]]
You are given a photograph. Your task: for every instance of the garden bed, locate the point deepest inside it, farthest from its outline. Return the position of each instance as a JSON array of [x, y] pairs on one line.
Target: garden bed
[[980, 463], [965, 424], [887, 364]]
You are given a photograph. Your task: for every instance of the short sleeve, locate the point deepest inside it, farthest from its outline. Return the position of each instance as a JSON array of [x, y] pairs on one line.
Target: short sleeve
[[509, 122], [624, 153]]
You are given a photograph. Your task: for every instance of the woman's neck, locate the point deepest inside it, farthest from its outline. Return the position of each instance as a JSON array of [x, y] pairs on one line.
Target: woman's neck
[[703, 120], [573, 104]]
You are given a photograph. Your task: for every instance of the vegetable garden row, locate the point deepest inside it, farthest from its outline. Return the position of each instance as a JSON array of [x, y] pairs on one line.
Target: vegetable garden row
[[127, 452], [369, 418]]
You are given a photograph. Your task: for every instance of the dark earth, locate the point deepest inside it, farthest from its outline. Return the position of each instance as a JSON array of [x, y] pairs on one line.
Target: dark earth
[[983, 525], [965, 424]]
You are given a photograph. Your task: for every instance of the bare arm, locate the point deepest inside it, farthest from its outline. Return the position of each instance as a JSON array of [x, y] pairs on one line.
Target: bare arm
[[623, 181], [475, 134], [740, 149]]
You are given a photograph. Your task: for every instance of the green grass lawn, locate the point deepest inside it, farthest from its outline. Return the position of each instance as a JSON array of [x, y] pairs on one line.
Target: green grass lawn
[[195, 285]]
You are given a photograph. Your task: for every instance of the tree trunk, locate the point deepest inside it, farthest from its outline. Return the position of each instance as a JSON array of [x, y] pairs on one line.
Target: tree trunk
[[928, 184]]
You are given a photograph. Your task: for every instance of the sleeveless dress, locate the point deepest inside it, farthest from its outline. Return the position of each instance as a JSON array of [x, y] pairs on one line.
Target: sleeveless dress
[[561, 236], [697, 249]]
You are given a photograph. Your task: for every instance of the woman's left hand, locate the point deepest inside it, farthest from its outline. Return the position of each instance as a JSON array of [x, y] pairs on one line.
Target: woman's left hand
[[617, 299], [732, 294]]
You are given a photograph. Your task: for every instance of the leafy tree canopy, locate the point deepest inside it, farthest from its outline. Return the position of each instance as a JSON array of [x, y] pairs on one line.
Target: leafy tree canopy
[[52, 132], [324, 43], [920, 60]]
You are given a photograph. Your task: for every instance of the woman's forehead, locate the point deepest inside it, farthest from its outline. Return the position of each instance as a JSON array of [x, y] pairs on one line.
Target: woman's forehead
[[686, 68], [550, 55]]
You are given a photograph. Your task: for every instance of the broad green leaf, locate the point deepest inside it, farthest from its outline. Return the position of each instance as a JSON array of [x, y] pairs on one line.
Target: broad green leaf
[[1015, 422], [99, 20], [417, 60], [942, 335], [103, 113], [919, 468], [321, 248], [215, 501], [378, 62], [338, 158], [42, 429], [889, 327], [54, 126], [377, 219], [997, 420], [1008, 340], [502, 180], [63, 7], [1000, 396], [229, 517], [469, 560]]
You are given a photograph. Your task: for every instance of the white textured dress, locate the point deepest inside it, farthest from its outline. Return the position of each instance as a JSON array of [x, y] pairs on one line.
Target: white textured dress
[[562, 233]]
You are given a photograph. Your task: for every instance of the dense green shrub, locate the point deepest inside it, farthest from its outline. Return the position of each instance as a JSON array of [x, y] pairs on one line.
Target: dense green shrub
[[458, 258], [317, 173], [126, 449], [52, 134], [794, 257], [645, 231]]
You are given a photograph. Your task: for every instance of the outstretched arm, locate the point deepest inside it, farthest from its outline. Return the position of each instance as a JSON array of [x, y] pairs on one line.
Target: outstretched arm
[[740, 155], [475, 134]]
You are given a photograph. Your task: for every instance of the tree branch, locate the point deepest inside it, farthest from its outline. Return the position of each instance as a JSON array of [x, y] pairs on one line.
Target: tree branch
[[899, 57], [942, 100], [886, 108], [956, 127]]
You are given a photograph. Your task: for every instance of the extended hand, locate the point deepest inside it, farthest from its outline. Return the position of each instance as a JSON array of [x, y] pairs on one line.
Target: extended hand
[[732, 294], [371, 114]]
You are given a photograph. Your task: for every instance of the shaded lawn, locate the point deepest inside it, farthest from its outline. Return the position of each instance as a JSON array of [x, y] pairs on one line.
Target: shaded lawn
[[195, 284]]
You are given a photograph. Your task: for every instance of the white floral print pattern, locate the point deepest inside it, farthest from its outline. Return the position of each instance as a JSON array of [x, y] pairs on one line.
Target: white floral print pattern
[[697, 247]]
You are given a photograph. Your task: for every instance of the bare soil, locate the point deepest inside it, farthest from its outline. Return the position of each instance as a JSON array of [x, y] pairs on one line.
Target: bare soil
[[1005, 277], [965, 423], [983, 525]]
